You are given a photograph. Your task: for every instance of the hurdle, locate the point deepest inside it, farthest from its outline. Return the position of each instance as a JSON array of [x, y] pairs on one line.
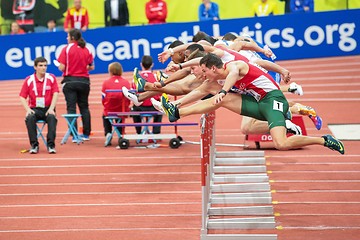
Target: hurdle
[[175, 139], [236, 194]]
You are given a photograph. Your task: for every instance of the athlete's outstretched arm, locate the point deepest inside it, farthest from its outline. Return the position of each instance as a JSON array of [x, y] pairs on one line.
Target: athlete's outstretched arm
[[232, 102], [198, 93], [165, 55], [205, 106], [178, 75], [270, 66]]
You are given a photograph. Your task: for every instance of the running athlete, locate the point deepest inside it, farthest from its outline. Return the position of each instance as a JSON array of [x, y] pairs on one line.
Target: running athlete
[[227, 55], [264, 102]]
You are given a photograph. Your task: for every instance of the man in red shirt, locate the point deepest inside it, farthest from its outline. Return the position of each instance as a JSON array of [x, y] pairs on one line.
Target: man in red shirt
[[76, 17], [148, 75], [42, 91], [156, 11], [75, 61], [113, 101]]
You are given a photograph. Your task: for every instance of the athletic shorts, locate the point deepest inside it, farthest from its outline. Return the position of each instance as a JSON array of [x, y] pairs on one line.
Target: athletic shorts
[[272, 108]]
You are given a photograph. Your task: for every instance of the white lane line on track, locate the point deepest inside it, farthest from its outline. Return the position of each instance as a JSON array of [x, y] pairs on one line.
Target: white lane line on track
[[98, 174], [167, 192], [96, 183], [95, 229], [332, 92], [172, 157], [320, 214], [317, 191], [101, 165], [98, 204], [97, 193], [310, 171], [319, 65], [325, 99], [313, 156], [101, 158], [106, 216], [318, 181], [320, 228], [329, 80], [271, 163], [321, 202]]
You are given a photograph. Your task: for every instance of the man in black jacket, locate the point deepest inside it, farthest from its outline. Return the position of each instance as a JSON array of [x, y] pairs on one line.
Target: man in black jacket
[[116, 13]]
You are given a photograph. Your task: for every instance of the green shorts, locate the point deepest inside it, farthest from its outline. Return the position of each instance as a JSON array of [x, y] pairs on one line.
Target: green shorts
[[272, 108]]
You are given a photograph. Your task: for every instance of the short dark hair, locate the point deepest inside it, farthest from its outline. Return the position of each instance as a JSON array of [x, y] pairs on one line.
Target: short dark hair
[[229, 37], [176, 43], [196, 54], [193, 47], [147, 61], [203, 36], [210, 60], [39, 60]]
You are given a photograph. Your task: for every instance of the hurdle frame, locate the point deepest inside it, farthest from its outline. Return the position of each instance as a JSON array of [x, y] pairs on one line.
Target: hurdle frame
[[248, 187]]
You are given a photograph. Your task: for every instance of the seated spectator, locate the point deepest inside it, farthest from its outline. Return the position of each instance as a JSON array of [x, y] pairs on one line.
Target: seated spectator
[[76, 17], [263, 8], [51, 26], [301, 6], [16, 29], [113, 101], [148, 75], [42, 91], [208, 10], [156, 11]]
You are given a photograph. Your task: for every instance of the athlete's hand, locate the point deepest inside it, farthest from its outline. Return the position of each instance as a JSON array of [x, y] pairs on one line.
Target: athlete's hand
[[172, 67], [157, 85], [286, 76], [268, 53], [162, 57], [218, 98]]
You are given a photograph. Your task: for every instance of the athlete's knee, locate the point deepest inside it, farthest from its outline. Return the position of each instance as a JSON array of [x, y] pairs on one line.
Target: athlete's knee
[[280, 144], [245, 129], [246, 124]]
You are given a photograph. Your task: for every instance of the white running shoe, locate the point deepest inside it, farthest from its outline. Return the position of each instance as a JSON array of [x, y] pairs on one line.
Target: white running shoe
[[131, 96], [157, 105], [293, 128], [296, 89]]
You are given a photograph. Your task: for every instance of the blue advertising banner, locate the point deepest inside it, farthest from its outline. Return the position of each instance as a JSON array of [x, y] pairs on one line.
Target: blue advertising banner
[[292, 36]]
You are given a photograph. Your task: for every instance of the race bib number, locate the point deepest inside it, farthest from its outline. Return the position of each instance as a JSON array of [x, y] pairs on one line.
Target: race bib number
[[279, 106], [40, 102]]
